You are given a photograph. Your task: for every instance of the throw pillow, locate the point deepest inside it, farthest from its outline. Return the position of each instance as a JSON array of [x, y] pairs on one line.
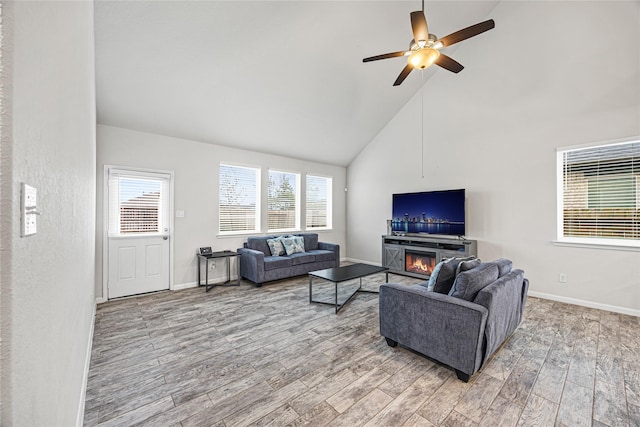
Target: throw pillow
[[275, 247], [292, 245], [299, 241], [447, 274], [434, 276], [469, 283], [504, 266], [467, 265]]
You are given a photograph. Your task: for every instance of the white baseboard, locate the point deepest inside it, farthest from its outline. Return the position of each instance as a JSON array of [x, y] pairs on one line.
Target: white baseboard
[[85, 377], [182, 286], [212, 280], [574, 301], [361, 261], [178, 287]]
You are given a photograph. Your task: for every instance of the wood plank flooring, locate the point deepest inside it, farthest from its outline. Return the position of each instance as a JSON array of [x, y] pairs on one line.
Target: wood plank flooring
[[241, 356]]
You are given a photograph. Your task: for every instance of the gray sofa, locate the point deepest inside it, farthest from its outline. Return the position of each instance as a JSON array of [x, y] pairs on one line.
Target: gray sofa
[[259, 266], [463, 320]]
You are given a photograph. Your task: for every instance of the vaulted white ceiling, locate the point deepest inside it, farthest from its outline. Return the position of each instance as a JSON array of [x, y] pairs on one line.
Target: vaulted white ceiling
[[279, 77]]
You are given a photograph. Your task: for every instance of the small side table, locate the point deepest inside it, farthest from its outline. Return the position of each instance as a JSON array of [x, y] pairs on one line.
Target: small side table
[[213, 256]]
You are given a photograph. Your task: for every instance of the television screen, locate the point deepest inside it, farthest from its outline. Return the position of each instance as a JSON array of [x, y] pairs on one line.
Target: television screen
[[432, 212]]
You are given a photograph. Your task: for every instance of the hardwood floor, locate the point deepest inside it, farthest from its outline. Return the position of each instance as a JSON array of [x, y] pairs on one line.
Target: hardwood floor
[[265, 356]]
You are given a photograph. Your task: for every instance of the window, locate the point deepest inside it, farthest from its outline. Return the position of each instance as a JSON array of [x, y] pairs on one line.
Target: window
[[319, 199], [239, 199], [598, 199], [283, 205], [137, 203]]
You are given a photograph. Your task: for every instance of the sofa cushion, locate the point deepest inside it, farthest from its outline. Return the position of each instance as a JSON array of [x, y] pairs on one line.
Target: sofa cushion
[[302, 258], [441, 280], [467, 284], [275, 247], [259, 244], [310, 241], [274, 262], [467, 265], [323, 255], [504, 266], [293, 244]]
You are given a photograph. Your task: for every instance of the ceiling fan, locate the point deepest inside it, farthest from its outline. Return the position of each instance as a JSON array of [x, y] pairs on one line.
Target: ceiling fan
[[424, 49]]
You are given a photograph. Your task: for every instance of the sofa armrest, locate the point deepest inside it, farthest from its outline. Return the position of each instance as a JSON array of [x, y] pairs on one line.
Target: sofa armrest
[[331, 247], [503, 301], [252, 264], [448, 329]]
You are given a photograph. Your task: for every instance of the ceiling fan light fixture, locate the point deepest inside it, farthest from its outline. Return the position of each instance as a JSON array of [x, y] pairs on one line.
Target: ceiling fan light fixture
[[423, 58]]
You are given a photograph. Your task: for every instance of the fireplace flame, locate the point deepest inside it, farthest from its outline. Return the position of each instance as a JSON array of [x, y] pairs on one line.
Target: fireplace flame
[[422, 264]]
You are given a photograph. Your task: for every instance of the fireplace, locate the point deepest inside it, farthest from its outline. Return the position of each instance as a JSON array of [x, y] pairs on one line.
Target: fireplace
[[419, 262]]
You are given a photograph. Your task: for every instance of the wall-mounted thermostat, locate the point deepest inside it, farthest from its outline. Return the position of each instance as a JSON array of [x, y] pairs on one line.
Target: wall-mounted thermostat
[[28, 207]]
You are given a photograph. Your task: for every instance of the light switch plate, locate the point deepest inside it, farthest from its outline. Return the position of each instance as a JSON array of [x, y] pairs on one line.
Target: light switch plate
[[28, 202]]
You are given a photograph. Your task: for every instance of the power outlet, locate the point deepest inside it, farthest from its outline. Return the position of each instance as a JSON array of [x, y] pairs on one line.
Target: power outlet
[[562, 277]]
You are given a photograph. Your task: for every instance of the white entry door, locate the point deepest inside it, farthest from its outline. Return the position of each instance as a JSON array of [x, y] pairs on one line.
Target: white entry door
[[138, 231]]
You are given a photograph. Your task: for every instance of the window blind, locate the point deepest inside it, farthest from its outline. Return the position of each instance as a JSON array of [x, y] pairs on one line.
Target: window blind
[[239, 199], [136, 203], [318, 201], [600, 192], [283, 205]]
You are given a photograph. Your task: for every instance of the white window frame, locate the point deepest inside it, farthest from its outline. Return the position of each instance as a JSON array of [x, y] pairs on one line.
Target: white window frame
[[296, 226], [258, 192], [329, 202], [622, 243]]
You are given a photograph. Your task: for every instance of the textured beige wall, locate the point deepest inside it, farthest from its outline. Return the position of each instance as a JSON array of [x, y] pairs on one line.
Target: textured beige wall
[[48, 287]]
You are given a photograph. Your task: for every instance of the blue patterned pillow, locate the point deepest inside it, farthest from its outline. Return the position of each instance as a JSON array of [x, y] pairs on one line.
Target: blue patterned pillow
[[275, 247], [293, 244], [300, 241]]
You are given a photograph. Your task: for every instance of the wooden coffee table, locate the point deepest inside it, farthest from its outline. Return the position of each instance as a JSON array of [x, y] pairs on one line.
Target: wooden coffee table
[[342, 274]]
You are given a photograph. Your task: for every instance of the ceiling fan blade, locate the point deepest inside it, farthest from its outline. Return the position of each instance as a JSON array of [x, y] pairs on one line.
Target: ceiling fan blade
[[448, 63], [403, 74], [468, 32], [383, 56], [419, 26]]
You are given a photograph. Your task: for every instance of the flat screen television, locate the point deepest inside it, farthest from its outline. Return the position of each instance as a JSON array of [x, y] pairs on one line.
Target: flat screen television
[[430, 212]]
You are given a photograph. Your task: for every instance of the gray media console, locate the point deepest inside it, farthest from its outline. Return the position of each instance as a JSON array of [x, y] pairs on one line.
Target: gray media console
[[416, 256]]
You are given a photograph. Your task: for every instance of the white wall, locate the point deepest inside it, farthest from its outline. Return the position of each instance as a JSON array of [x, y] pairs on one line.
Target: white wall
[[551, 74], [196, 191], [48, 292]]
